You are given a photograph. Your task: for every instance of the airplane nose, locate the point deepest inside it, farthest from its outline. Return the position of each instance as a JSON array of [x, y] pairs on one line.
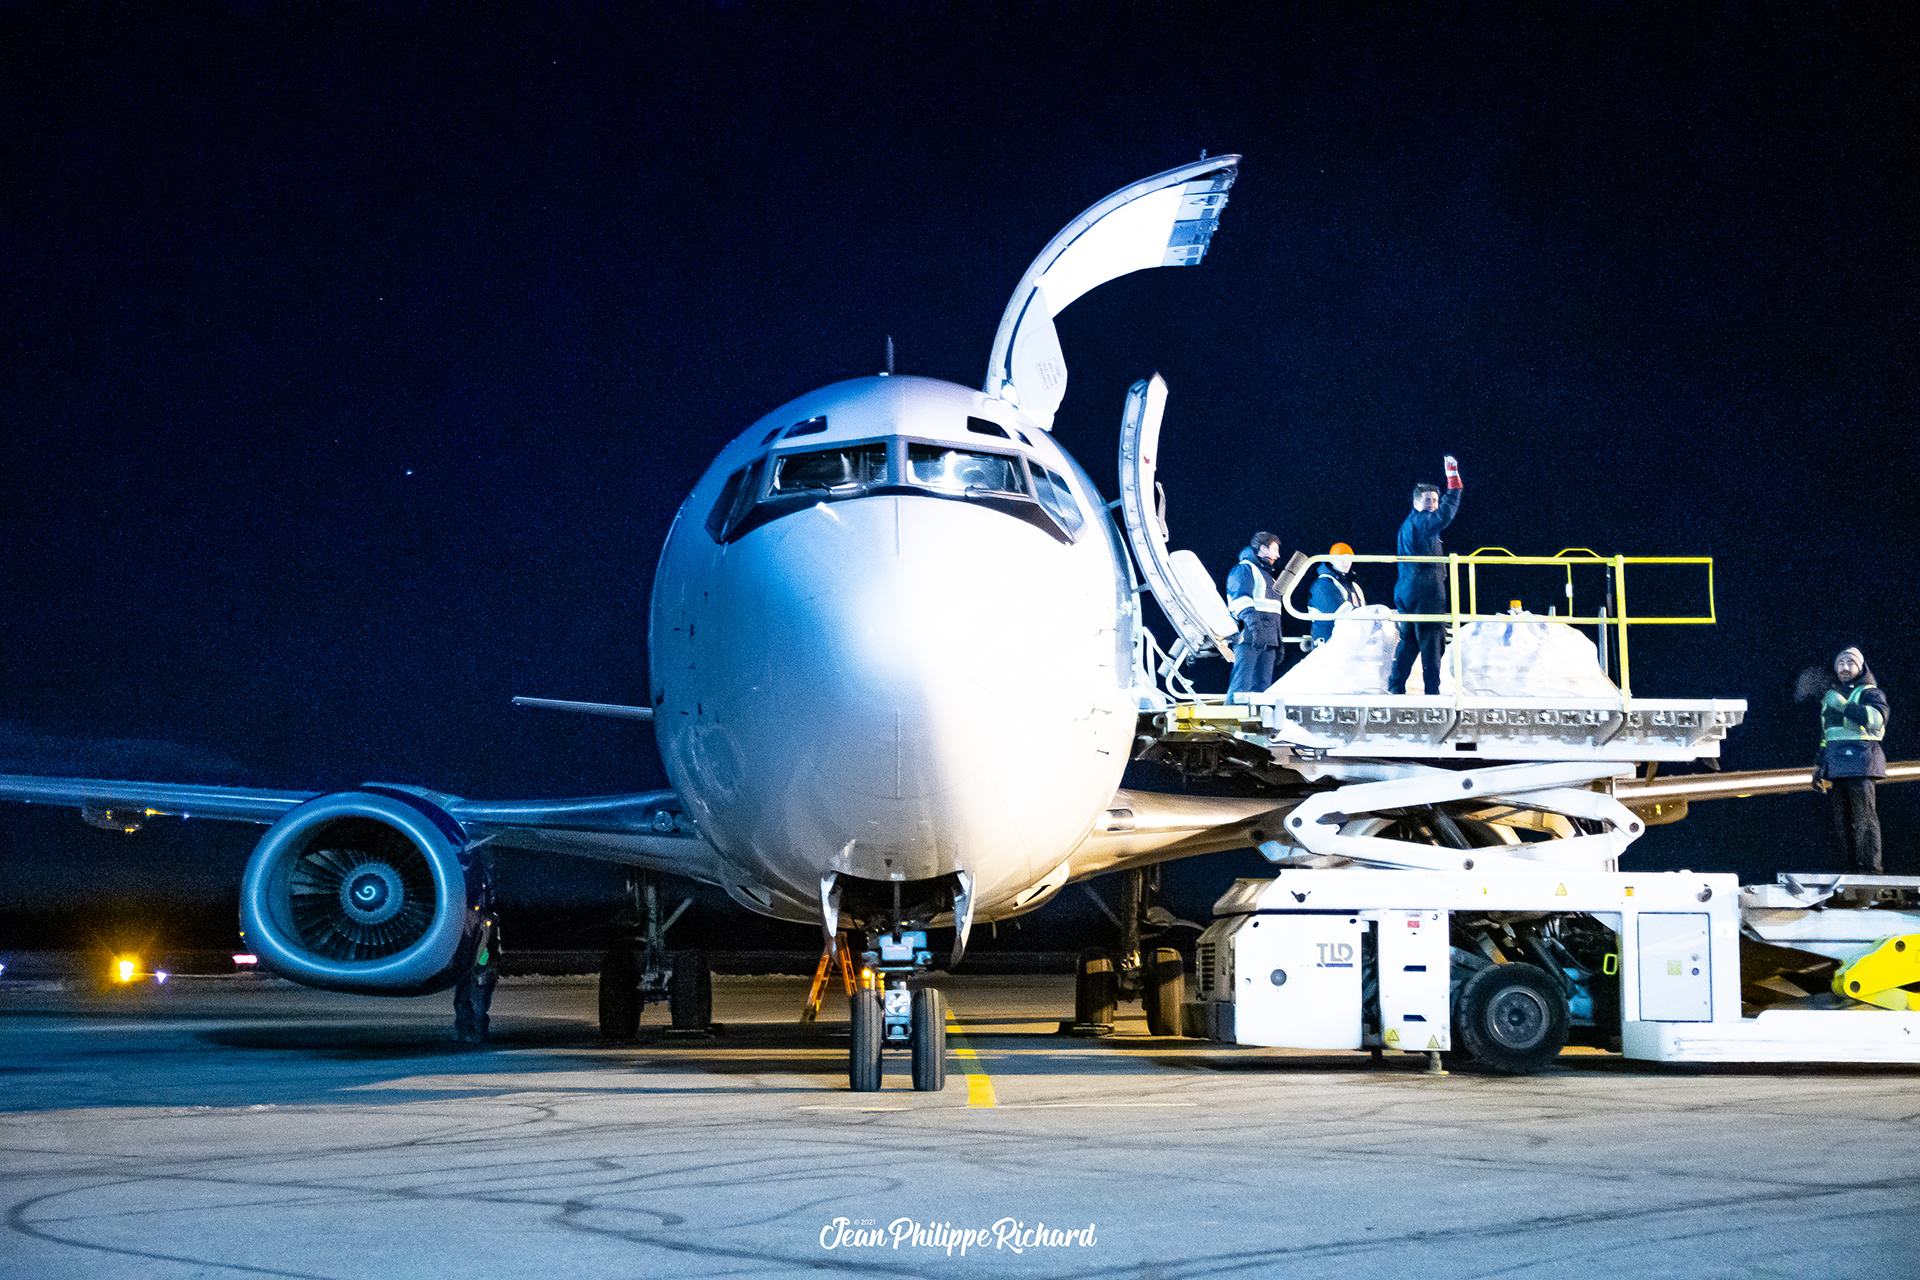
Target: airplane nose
[[911, 683]]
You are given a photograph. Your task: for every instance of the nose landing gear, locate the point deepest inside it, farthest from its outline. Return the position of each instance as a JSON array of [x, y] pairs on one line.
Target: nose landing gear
[[891, 1009]]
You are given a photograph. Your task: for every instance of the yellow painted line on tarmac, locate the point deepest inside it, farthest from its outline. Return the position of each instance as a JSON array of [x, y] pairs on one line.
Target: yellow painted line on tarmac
[[979, 1083], [1105, 1104], [690, 1051], [1110, 1104]]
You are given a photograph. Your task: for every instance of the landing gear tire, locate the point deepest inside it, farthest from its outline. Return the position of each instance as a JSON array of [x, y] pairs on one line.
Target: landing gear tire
[[863, 1060], [1513, 1018], [929, 1040], [1164, 991], [690, 992], [619, 994], [1096, 989]]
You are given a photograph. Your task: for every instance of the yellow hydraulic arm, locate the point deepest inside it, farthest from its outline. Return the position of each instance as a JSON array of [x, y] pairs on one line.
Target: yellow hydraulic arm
[[1881, 976]]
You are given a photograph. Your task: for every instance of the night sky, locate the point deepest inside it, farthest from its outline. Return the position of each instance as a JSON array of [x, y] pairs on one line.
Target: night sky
[[357, 357]]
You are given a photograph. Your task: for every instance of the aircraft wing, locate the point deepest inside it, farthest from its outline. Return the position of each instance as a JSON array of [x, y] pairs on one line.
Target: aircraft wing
[[1665, 799], [647, 829], [1141, 828], [125, 805]]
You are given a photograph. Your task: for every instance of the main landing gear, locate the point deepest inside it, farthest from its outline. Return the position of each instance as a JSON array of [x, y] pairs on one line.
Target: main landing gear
[[891, 1010], [638, 968], [1155, 976]]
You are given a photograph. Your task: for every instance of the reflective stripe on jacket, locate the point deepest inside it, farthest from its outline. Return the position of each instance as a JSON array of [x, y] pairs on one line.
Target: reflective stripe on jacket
[[1850, 734], [1331, 590], [1862, 719], [1252, 602]]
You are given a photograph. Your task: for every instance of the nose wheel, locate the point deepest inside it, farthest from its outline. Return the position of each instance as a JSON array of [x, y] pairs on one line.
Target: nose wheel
[[890, 1009], [929, 1040], [863, 1059]]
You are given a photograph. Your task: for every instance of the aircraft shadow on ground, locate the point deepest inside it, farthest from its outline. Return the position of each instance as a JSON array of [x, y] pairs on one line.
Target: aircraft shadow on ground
[[349, 1043]]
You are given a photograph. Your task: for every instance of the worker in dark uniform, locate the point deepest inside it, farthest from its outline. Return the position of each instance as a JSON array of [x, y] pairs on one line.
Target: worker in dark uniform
[[473, 993], [1853, 720], [1423, 587], [1255, 605], [1333, 587]]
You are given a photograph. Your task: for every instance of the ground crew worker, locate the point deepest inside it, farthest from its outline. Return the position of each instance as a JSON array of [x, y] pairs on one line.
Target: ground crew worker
[[1255, 605], [473, 993], [1853, 720], [1423, 587], [1333, 587]]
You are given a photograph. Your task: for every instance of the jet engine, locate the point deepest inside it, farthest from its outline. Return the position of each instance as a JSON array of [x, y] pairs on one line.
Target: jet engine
[[375, 891]]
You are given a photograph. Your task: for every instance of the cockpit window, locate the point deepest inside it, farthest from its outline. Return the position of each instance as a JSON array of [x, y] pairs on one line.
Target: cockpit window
[[783, 484], [982, 426], [831, 469], [1051, 489], [811, 427], [737, 496], [963, 471]]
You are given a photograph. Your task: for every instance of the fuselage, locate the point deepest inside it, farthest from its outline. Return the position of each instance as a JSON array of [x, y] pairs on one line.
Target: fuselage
[[892, 638]]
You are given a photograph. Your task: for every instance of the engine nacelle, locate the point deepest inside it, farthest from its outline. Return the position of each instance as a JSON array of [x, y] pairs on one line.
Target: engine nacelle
[[372, 891]]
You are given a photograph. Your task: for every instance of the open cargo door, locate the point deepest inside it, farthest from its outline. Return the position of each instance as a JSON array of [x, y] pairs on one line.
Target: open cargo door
[[1163, 221], [1177, 579]]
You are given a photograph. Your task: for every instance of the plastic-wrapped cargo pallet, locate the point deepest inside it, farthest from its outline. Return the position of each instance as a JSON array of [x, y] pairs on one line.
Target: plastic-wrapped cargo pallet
[[1527, 657]]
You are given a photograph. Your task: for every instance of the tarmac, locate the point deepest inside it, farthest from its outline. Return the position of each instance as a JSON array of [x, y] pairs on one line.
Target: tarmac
[[232, 1127]]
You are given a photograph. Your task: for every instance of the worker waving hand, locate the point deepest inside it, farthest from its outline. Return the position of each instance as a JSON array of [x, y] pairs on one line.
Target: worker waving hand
[[1423, 587]]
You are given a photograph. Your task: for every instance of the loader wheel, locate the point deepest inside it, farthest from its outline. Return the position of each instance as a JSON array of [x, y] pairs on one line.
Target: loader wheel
[[1513, 1018], [619, 994], [1096, 989], [863, 1059], [1166, 991], [1459, 1055], [929, 1040]]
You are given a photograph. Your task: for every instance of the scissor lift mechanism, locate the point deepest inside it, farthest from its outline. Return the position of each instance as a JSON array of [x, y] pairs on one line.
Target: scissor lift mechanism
[[1538, 766]]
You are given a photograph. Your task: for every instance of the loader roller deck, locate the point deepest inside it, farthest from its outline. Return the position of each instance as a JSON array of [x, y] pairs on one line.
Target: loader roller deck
[[1408, 726]]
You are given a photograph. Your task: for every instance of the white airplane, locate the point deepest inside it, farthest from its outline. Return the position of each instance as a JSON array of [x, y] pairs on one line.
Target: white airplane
[[896, 672]]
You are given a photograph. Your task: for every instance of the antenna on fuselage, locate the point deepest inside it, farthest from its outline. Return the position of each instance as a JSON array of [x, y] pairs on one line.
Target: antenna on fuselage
[[889, 372]]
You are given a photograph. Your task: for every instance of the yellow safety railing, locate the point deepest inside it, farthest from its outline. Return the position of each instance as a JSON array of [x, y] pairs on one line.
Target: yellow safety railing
[[1615, 617]]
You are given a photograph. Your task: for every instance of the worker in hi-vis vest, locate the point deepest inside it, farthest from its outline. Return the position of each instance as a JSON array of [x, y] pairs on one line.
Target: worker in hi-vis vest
[[1853, 720], [1333, 589], [1255, 605], [473, 994]]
